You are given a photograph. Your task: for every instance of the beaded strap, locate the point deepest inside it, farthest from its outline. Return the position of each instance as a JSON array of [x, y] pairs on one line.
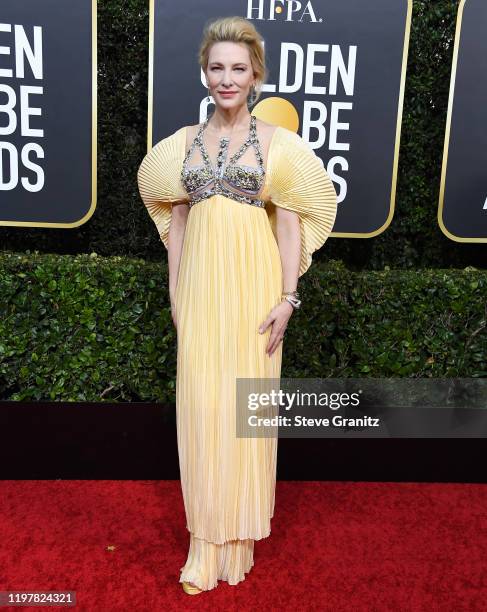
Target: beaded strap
[[250, 140], [197, 141]]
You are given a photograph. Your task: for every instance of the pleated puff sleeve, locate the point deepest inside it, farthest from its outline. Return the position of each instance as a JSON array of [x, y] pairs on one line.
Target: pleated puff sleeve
[[298, 181], [159, 180]]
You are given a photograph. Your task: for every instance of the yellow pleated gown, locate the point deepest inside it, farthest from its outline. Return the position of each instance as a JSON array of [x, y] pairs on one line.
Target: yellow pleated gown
[[230, 278]]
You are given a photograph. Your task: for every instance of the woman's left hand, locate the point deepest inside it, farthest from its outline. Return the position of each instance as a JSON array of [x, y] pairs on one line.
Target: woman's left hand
[[279, 317]]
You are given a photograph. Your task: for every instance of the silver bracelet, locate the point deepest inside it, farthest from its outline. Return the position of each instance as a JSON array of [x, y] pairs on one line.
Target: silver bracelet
[[295, 293], [295, 303]]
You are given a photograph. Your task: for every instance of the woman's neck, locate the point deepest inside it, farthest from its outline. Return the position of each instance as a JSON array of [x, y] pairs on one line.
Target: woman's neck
[[223, 121]]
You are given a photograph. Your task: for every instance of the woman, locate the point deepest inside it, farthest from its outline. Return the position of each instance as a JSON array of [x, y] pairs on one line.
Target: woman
[[240, 205]]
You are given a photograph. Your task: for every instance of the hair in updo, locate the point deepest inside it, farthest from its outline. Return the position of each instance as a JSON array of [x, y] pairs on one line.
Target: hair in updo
[[238, 30]]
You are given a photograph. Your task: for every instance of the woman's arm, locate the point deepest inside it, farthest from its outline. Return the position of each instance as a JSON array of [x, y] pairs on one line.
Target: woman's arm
[[177, 229], [289, 242]]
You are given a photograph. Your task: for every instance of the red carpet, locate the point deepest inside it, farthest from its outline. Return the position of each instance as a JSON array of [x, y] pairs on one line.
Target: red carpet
[[334, 546]]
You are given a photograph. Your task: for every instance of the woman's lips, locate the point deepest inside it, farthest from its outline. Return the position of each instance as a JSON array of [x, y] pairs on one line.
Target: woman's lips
[[227, 94]]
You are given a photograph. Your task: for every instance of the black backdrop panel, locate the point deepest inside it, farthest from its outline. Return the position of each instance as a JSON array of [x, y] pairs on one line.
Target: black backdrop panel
[[47, 112], [463, 194]]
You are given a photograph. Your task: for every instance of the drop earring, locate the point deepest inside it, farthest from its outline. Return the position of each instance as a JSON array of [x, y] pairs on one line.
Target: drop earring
[[252, 96], [209, 96]]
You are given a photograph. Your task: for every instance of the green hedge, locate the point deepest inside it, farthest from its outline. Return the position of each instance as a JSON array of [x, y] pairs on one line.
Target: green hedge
[[89, 328], [121, 226]]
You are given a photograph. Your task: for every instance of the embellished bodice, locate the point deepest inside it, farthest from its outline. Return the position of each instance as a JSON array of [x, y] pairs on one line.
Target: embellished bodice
[[236, 181]]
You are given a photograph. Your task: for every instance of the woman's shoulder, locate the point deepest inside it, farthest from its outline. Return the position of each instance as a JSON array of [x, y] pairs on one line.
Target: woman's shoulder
[[265, 130], [190, 132], [263, 126], [282, 137]]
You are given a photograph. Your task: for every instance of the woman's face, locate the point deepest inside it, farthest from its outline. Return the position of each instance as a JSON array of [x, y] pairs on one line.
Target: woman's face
[[229, 70]]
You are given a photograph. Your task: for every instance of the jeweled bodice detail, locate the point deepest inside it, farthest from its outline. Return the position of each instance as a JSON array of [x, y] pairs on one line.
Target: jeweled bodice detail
[[236, 181]]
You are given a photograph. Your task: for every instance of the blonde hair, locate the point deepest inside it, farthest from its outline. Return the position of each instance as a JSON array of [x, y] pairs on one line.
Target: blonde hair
[[238, 30]]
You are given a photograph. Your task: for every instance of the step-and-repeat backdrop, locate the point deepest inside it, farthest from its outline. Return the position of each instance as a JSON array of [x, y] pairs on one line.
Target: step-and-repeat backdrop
[[337, 73], [336, 76]]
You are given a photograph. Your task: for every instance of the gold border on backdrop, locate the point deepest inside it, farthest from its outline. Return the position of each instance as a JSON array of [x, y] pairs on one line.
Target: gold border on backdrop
[[447, 133], [398, 121], [150, 92], [93, 138]]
